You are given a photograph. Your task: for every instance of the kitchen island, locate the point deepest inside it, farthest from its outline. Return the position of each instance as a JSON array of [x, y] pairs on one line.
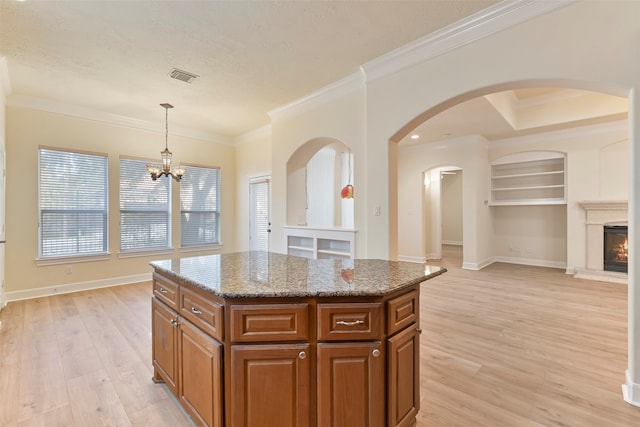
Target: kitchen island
[[265, 339]]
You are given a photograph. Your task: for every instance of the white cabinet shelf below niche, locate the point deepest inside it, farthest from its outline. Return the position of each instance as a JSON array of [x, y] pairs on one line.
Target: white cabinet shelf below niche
[[320, 243], [529, 178]]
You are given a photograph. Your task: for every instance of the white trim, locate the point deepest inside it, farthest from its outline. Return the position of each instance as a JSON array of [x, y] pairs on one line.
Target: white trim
[[321, 96], [452, 242], [55, 107], [409, 258], [76, 287], [630, 390], [255, 135], [143, 253], [5, 80], [530, 261], [577, 132], [601, 276], [72, 259], [488, 21], [477, 265]]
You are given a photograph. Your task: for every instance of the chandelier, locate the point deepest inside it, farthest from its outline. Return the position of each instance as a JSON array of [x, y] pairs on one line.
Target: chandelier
[[165, 168]]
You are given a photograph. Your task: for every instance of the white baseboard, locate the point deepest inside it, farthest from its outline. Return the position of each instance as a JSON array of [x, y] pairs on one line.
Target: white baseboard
[[75, 287], [531, 261], [631, 391], [410, 258], [452, 242], [431, 255], [477, 265]]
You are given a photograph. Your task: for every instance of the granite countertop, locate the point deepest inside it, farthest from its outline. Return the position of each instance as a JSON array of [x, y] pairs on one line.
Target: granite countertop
[[266, 274]]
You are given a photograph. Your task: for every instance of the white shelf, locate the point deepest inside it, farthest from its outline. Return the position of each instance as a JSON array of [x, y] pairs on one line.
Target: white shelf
[[528, 178], [320, 243]]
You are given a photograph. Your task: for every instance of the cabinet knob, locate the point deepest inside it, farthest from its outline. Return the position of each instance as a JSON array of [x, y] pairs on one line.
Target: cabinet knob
[[174, 322], [419, 330], [375, 353], [302, 355], [195, 310]]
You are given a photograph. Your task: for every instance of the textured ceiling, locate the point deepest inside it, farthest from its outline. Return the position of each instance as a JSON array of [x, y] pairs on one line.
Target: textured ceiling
[[251, 56]]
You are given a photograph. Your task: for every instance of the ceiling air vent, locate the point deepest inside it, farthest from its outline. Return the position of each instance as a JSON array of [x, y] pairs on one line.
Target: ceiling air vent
[[182, 75]]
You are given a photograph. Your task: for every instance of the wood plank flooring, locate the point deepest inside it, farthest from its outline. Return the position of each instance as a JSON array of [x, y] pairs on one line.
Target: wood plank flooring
[[506, 346]]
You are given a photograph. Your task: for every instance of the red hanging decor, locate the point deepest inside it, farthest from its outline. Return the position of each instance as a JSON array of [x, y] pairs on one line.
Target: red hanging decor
[[347, 190]]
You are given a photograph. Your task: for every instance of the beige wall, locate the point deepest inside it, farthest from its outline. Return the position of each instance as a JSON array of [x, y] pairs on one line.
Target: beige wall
[[452, 208], [27, 129], [253, 159]]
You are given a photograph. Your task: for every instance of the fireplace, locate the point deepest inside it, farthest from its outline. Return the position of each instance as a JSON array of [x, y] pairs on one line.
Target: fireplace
[[616, 249]]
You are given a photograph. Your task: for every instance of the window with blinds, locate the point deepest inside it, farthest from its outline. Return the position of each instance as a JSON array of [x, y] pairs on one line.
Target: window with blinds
[[73, 203], [145, 208], [200, 206]]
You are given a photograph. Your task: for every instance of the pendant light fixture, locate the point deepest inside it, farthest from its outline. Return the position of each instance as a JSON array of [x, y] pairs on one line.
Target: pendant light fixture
[[164, 169], [347, 190]]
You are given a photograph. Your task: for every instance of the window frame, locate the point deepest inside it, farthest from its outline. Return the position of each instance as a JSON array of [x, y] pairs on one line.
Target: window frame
[[217, 212], [146, 251], [43, 259]]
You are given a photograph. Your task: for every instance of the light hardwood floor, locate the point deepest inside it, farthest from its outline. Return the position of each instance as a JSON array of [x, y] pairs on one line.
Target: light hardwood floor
[[506, 346]]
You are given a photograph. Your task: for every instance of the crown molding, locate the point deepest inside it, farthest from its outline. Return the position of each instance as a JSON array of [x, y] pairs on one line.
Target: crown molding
[[595, 129], [489, 21], [65, 109], [5, 81], [321, 96], [255, 135]]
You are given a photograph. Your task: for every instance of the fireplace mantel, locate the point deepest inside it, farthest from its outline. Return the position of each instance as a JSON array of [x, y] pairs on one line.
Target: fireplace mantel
[[598, 214]]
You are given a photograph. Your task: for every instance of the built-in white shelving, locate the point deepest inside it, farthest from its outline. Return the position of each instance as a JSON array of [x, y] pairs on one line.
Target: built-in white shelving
[[320, 243], [529, 178]]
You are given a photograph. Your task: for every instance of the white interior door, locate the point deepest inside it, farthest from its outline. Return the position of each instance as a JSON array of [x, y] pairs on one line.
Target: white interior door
[[260, 222]]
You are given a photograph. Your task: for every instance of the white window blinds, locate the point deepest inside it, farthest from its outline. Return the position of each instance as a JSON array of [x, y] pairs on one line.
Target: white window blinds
[[73, 203], [200, 206], [145, 220]]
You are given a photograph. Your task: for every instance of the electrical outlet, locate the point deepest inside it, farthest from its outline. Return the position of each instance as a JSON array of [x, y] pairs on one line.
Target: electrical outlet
[[69, 269], [377, 210]]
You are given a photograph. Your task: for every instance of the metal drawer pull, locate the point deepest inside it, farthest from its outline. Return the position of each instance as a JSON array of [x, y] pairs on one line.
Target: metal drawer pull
[[174, 322], [195, 310], [349, 322], [162, 291], [302, 355], [375, 353]]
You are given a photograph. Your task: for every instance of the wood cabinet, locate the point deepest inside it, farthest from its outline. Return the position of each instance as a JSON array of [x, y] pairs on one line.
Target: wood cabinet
[[403, 354], [270, 385], [288, 361], [350, 384], [164, 347], [189, 361], [200, 384]]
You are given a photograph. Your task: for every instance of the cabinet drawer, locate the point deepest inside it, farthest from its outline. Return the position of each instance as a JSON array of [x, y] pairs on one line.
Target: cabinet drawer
[[402, 311], [166, 290], [206, 315], [271, 322], [339, 322]]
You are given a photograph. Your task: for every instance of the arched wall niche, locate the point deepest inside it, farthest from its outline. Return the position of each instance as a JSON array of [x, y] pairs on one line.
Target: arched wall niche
[[478, 221], [316, 172]]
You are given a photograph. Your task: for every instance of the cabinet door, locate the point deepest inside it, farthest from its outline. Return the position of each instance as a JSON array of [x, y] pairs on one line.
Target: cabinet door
[[200, 386], [351, 385], [404, 377], [270, 385], [164, 344]]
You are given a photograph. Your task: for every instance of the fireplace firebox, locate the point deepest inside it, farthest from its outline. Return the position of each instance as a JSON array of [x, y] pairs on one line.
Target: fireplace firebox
[[616, 249]]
